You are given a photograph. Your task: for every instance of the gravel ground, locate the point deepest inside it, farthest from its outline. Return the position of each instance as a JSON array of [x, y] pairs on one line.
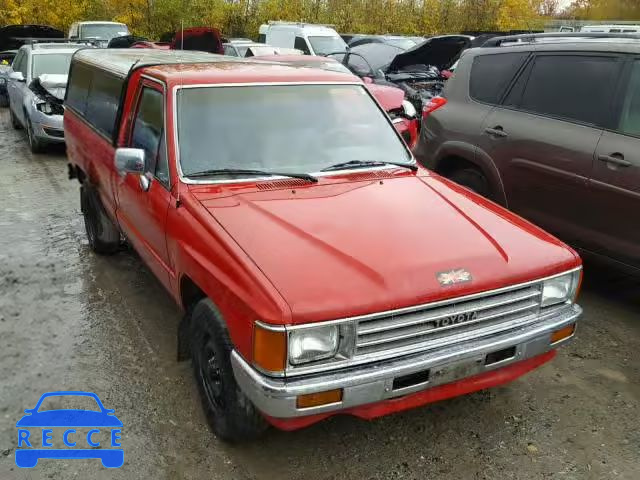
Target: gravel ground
[[70, 320]]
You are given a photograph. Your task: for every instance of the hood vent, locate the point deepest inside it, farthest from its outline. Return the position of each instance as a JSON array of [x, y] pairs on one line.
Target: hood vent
[[277, 184], [373, 175]]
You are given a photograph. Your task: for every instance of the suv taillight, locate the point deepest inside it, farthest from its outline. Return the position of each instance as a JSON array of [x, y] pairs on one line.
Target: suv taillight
[[433, 104]]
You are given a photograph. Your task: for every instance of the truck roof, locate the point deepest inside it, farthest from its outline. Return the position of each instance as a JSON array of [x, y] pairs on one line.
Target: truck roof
[[189, 67]]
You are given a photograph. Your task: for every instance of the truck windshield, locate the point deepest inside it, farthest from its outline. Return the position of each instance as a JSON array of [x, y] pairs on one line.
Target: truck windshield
[[285, 128], [324, 45], [52, 63], [104, 31]]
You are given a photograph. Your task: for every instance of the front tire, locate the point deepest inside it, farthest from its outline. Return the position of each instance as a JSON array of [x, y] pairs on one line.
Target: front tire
[[36, 145], [103, 235], [473, 179], [230, 414], [14, 120]]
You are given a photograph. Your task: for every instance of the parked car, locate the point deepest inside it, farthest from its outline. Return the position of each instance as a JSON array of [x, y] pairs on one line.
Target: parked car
[[548, 126], [99, 32], [253, 49], [13, 37], [405, 43], [202, 39], [6, 58], [402, 113], [36, 87], [623, 28], [309, 38], [416, 70], [279, 207]]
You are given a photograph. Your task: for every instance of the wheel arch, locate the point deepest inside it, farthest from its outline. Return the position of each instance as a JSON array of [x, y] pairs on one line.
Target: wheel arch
[[455, 155]]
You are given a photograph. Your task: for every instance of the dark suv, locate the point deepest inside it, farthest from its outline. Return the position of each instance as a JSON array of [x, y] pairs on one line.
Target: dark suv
[[550, 128]]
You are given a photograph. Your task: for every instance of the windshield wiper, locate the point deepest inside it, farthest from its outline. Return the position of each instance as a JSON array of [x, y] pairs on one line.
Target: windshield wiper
[[368, 163], [248, 171]]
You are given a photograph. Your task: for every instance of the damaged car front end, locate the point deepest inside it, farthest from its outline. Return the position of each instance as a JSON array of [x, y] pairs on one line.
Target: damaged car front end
[[417, 71], [46, 111]]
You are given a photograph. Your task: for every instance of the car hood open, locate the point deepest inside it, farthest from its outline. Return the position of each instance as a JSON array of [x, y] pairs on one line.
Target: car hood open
[[50, 87], [441, 52], [347, 247]]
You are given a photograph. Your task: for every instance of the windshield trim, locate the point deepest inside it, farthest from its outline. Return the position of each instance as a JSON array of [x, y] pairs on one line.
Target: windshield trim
[[193, 181]]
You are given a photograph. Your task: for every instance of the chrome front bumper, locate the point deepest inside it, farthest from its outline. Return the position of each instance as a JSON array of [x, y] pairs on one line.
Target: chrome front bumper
[[374, 382]]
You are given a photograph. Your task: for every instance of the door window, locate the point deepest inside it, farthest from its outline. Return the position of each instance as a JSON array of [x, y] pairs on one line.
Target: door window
[[17, 61], [230, 51], [630, 117], [301, 44], [492, 74], [148, 133], [571, 87], [103, 102]]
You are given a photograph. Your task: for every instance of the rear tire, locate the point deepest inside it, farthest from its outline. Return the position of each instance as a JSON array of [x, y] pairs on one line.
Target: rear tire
[[103, 235], [473, 179], [4, 101], [230, 414]]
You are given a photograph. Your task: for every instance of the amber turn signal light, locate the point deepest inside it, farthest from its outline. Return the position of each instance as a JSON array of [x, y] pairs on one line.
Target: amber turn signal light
[[563, 333], [318, 399], [269, 348]]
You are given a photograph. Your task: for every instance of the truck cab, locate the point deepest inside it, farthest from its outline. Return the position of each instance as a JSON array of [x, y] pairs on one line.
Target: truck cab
[[309, 38]]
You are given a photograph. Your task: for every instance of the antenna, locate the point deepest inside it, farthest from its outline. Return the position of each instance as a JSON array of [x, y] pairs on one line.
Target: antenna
[[181, 34]]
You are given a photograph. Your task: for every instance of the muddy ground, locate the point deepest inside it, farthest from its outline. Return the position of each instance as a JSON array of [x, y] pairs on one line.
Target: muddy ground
[[70, 320]]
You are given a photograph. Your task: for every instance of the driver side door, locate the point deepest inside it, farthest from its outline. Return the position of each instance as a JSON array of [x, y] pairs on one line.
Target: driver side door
[[143, 200]]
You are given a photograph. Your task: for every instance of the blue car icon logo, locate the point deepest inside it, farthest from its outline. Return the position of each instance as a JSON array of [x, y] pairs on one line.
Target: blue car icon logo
[[36, 434]]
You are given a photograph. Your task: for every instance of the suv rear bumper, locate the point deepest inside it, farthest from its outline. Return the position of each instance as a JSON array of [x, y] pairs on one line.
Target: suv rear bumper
[[373, 383]]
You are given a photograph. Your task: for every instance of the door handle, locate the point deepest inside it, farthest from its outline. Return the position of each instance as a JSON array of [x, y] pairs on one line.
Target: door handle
[[616, 159], [496, 132]]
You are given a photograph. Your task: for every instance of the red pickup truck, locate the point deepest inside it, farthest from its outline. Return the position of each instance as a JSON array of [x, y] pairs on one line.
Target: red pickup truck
[[321, 271]]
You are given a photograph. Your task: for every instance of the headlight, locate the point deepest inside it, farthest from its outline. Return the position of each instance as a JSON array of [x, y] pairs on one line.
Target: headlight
[[560, 289], [311, 344], [45, 107], [409, 109]]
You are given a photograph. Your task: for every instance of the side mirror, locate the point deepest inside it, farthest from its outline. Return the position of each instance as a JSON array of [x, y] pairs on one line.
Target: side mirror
[[132, 160], [17, 76], [129, 160], [367, 80]]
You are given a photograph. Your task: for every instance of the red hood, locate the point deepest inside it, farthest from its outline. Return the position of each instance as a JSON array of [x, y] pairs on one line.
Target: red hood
[[341, 248], [390, 98]]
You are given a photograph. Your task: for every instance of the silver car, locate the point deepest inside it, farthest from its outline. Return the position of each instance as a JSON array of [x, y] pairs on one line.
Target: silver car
[[36, 85]]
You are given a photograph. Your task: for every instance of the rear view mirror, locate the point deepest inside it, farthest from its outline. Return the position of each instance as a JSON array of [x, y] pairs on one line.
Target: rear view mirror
[[17, 76], [129, 160]]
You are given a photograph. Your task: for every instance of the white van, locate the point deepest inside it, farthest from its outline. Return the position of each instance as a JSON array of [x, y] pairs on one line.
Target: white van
[[611, 29], [100, 32], [311, 39]]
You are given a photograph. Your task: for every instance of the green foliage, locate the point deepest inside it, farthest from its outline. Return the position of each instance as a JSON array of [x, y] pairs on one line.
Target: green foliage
[[243, 17]]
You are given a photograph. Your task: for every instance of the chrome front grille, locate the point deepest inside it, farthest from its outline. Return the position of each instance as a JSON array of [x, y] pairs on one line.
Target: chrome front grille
[[435, 325]]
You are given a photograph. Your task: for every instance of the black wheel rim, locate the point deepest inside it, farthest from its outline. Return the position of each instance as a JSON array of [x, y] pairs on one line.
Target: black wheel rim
[[211, 375]]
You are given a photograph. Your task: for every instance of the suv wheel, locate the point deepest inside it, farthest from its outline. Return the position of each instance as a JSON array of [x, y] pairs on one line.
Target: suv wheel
[[36, 146], [103, 236], [229, 412], [473, 179], [14, 121]]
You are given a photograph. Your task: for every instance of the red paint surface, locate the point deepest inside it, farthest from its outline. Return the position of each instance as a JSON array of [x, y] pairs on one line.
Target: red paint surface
[[435, 394]]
